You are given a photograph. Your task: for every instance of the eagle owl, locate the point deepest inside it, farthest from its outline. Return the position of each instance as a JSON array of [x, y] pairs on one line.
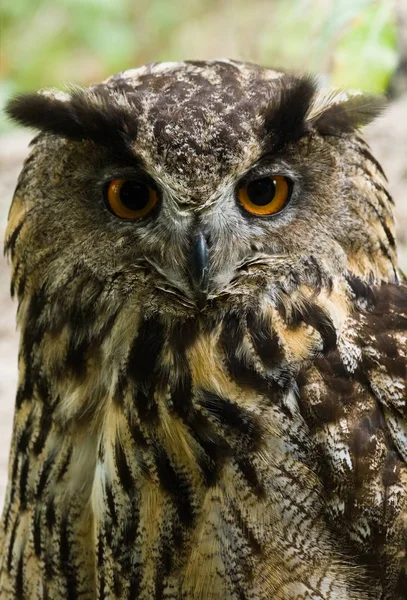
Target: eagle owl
[[212, 396]]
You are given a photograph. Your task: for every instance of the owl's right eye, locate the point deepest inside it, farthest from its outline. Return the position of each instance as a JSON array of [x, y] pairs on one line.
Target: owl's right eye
[[130, 199], [265, 196]]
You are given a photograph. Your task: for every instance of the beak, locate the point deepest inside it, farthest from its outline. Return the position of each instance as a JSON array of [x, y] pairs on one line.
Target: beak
[[198, 268]]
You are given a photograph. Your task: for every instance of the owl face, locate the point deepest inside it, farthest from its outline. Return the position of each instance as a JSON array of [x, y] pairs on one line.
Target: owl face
[[199, 185]]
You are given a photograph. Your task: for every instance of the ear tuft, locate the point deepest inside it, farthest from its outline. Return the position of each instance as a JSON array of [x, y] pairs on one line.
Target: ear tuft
[[80, 114], [338, 112], [48, 111], [286, 118]]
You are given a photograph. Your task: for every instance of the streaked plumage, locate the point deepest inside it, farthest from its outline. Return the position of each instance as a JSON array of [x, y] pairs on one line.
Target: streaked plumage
[[250, 446]]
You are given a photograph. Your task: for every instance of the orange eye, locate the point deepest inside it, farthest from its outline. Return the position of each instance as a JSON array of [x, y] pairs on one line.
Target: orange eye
[[130, 199], [265, 196]]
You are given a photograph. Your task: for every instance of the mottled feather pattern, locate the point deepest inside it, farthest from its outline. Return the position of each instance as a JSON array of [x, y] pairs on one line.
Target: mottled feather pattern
[[253, 449]]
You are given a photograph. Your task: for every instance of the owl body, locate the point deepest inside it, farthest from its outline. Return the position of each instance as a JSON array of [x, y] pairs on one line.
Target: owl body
[[212, 370]]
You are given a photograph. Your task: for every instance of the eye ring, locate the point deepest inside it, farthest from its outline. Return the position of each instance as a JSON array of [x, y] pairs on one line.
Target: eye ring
[[265, 196], [130, 199]]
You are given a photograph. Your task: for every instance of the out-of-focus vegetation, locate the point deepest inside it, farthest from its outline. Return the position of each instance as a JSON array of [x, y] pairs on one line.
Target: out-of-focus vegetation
[[51, 42]]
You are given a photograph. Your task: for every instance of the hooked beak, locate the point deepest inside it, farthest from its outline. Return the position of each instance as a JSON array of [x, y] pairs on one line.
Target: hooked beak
[[198, 268]]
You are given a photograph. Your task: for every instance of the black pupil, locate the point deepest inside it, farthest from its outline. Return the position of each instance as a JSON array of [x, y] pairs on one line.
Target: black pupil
[[134, 195], [261, 191]]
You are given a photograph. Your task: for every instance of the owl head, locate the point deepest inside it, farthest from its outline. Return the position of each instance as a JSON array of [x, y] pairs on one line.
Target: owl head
[[194, 187]]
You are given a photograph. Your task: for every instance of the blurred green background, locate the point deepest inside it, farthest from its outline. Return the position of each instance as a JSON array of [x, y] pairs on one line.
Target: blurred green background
[[353, 43]]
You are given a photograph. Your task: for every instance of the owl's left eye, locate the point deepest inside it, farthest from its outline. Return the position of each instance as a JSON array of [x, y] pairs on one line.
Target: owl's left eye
[[265, 196], [130, 199]]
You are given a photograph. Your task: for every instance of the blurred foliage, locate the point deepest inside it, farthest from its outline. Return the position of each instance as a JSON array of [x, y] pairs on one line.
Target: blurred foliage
[[352, 43]]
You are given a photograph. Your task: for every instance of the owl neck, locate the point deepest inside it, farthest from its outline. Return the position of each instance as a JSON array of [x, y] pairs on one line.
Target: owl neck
[[176, 439], [171, 401]]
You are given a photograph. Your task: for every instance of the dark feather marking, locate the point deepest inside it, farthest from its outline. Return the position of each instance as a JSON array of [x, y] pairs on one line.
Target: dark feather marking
[[231, 339], [100, 557], [117, 584], [401, 585], [67, 566], [21, 285], [176, 485], [232, 416], [123, 469], [142, 366], [390, 310], [391, 468], [164, 567], [120, 389], [123, 549], [80, 340], [65, 464], [11, 546], [181, 398], [265, 342], [332, 367], [11, 241], [145, 352], [367, 154], [389, 347], [136, 433], [146, 406], [215, 448], [216, 451], [285, 122], [105, 329], [34, 329], [396, 366], [9, 504], [182, 334], [123, 544], [331, 406], [37, 534], [45, 472], [100, 119], [25, 391], [321, 278], [50, 515], [111, 504], [20, 579], [318, 319], [240, 591], [248, 377], [390, 237], [25, 436], [44, 428], [340, 392], [76, 357], [14, 275], [380, 188], [361, 289], [43, 389], [249, 473], [49, 565], [108, 533], [135, 581], [23, 483], [389, 257]]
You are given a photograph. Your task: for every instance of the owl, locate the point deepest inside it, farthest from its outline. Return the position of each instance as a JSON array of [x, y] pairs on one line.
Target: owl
[[212, 395]]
